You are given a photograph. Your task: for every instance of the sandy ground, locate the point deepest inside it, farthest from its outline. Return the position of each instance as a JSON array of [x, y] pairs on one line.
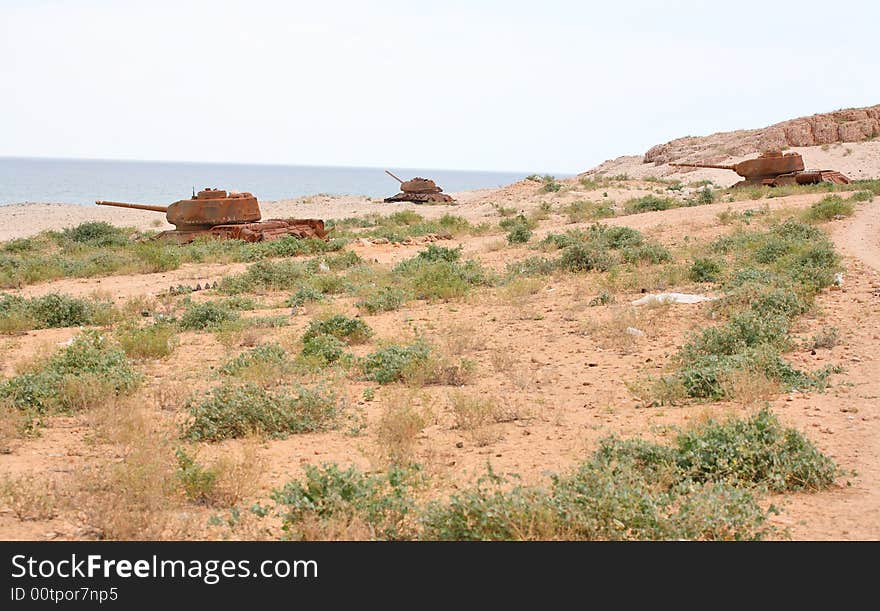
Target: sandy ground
[[569, 388]]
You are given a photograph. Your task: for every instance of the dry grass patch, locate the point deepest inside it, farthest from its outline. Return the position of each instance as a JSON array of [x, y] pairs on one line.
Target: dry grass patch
[[30, 497], [620, 331], [399, 428]]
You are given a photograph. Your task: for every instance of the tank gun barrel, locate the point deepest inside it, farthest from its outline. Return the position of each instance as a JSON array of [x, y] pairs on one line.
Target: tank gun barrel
[[713, 166], [394, 177], [135, 206]]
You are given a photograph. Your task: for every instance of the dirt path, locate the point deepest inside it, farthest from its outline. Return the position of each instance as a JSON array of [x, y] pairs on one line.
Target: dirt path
[[852, 512], [859, 236]]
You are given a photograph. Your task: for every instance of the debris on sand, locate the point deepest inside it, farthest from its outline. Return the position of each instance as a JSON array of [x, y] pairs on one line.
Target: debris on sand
[[662, 298]]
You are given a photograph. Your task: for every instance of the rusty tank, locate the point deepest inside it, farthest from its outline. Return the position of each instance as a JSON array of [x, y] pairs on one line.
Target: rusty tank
[[774, 169], [418, 190], [221, 214]]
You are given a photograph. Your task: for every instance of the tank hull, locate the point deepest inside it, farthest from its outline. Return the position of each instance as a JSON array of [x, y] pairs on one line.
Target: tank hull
[[808, 177], [420, 198], [263, 231]]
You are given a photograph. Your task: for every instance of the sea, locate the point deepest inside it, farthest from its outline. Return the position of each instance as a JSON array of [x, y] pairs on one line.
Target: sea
[[81, 181]]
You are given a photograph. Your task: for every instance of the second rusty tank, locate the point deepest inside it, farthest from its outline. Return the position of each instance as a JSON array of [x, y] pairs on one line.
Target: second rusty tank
[[774, 169], [220, 214], [419, 191]]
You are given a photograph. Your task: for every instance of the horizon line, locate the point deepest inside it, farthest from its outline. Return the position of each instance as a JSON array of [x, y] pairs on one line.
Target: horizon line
[[298, 165]]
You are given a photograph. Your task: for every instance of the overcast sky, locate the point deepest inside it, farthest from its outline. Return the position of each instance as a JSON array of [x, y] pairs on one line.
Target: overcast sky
[[483, 85]]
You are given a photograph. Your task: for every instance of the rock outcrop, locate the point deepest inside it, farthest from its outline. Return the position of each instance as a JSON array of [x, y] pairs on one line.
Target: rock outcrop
[[850, 125]]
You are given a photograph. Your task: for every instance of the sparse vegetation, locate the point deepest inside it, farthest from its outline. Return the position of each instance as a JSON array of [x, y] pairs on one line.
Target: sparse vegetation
[[828, 208], [53, 310], [704, 486], [153, 341], [87, 373]]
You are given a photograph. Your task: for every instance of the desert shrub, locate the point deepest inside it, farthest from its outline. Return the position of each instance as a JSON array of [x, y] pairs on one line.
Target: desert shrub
[[323, 349], [302, 296], [431, 254], [198, 482], [266, 276], [550, 184], [156, 257], [232, 411], [862, 196], [704, 196], [382, 503], [601, 247], [829, 207], [756, 451], [150, 342], [652, 253], [206, 315], [393, 362], [780, 270], [271, 356], [705, 270], [87, 372], [585, 257], [826, 338], [349, 330], [532, 266], [437, 273], [95, 233], [383, 299], [240, 302], [704, 485], [397, 432], [51, 311], [649, 203], [519, 229], [580, 211]]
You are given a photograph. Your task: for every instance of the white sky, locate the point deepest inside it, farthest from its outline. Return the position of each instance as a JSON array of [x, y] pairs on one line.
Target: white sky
[[483, 85]]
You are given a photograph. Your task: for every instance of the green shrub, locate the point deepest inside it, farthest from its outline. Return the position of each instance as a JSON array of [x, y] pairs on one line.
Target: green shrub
[[206, 315], [349, 330], [829, 207], [756, 451], [705, 270], [580, 211], [585, 257], [87, 372], [383, 299], [437, 273], [95, 233], [702, 486], [232, 411], [383, 502], [198, 482], [302, 296], [519, 229], [391, 363], [150, 342], [52, 311], [646, 253], [862, 196], [649, 203], [323, 349], [266, 355]]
